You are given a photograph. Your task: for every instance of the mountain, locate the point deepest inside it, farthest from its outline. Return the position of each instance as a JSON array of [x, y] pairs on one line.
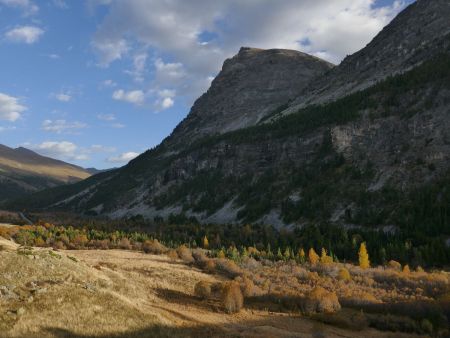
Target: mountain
[[95, 171], [415, 35], [365, 143], [251, 85], [23, 171]]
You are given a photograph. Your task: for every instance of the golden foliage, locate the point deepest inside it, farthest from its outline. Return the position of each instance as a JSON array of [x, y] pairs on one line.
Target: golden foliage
[[232, 298], [344, 274], [205, 242], [364, 262], [313, 257]]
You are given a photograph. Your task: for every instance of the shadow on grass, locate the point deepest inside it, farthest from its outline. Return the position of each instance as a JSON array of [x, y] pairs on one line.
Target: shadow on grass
[[181, 298], [155, 331]]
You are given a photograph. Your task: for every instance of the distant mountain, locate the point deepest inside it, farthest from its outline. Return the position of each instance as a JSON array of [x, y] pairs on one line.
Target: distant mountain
[[365, 143], [94, 171], [23, 171]]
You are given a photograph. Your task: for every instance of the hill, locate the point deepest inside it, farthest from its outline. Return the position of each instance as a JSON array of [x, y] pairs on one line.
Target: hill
[[23, 171]]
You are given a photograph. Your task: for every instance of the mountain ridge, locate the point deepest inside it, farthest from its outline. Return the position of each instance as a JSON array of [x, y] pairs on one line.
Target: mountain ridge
[[24, 171]]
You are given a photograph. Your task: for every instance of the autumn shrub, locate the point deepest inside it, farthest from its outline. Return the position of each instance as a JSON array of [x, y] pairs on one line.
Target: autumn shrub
[[300, 272], [202, 290], [80, 241], [185, 254], [248, 288], [4, 232], [344, 274], [320, 300], [39, 242], [101, 244], [210, 266], [172, 254], [153, 247], [228, 267], [125, 244], [359, 299], [232, 298], [394, 265], [250, 264], [59, 245], [199, 256], [217, 290], [406, 270], [137, 246]]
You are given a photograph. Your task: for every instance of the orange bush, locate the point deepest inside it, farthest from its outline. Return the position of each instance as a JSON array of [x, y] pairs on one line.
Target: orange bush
[[232, 298], [185, 254], [153, 247], [203, 290]]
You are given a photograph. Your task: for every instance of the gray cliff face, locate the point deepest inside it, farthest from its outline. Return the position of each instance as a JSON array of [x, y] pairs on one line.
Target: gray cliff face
[[252, 84], [416, 34]]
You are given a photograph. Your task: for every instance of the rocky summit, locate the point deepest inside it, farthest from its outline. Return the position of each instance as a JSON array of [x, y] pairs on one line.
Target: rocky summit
[[251, 85], [415, 35], [365, 143]]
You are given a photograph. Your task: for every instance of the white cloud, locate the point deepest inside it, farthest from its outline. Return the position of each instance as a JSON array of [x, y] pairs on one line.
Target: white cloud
[[68, 151], [111, 50], [26, 34], [27, 6], [138, 71], [97, 148], [196, 45], [165, 99], [60, 4], [54, 56], [63, 97], [110, 118], [63, 150], [135, 96], [106, 117], [62, 126], [109, 83], [123, 158], [10, 108], [2, 129], [167, 102]]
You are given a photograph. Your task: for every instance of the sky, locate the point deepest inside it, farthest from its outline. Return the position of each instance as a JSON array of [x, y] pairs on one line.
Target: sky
[[97, 82]]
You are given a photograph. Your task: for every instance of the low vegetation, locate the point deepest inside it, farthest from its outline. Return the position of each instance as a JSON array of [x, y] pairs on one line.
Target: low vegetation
[[392, 297]]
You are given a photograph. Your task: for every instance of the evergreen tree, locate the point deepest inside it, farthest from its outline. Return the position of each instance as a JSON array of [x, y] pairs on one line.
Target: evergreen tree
[[205, 242], [313, 257], [302, 256], [364, 262]]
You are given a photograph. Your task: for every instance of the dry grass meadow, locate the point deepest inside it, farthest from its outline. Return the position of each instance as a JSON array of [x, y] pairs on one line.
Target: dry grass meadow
[[121, 293]]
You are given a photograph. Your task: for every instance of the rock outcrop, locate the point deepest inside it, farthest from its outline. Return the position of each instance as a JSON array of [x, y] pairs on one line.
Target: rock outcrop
[[419, 32], [251, 85]]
